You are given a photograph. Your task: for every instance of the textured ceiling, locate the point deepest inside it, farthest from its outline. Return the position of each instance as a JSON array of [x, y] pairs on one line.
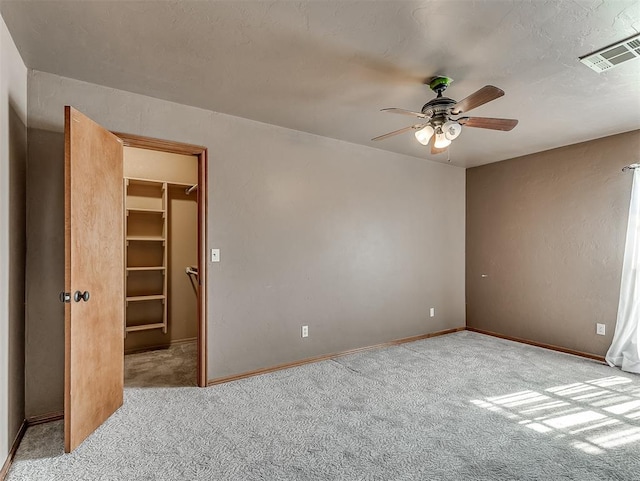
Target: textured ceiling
[[328, 67]]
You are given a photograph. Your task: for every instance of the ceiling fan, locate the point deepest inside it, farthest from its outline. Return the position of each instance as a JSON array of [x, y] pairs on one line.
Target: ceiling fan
[[438, 124]]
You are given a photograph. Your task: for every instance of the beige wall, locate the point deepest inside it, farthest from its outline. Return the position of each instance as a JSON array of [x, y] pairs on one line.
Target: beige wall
[[354, 242], [548, 232], [161, 166], [183, 252], [13, 148]]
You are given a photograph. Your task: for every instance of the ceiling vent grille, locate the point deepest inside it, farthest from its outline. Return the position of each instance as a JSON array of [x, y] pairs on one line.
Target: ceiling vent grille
[[613, 55]]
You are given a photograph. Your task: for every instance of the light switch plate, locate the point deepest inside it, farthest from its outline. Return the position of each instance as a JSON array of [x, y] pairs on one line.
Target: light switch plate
[[215, 255]]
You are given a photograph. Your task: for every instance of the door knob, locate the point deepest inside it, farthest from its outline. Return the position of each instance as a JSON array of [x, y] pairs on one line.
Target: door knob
[[78, 296]]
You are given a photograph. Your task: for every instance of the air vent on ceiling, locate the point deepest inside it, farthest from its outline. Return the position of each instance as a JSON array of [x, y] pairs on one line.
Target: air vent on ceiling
[[613, 55]]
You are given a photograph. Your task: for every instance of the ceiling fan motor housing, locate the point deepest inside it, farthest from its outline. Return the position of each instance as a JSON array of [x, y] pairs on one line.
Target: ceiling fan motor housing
[[438, 110]]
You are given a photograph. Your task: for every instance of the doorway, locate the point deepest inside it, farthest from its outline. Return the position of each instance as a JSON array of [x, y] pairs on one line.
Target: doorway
[[165, 262]]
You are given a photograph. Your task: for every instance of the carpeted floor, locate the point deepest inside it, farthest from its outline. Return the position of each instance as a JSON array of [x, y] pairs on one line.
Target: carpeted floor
[[457, 407], [172, 367]]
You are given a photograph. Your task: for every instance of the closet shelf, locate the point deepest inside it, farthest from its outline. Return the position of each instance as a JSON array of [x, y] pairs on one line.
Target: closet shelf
[[137, 210], [144, 327], [145, 238], [141, 181], [146, 243], [146, 268], [154, 297]]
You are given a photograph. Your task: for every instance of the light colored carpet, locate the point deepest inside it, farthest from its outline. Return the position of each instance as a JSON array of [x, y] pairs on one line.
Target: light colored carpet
[[172, 367], [458, 407]]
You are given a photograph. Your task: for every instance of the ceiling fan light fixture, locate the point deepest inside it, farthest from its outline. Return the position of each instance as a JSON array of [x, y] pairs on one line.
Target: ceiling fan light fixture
[[441, 141], [451, 129], [424, 135]]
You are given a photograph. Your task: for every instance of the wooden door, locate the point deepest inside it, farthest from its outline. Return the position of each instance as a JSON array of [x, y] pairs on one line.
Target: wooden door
[[94, 264]]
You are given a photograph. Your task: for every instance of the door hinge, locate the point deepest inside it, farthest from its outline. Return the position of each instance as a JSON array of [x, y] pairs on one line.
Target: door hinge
[[65, 296]]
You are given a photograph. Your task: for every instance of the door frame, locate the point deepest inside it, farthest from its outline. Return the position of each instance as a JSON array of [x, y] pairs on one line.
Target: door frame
[[130, 140]]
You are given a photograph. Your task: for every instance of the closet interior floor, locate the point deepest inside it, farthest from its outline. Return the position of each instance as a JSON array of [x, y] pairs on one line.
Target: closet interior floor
[[171, 367]]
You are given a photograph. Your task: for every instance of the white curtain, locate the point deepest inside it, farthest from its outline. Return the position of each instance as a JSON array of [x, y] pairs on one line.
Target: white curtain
[[625, 348]]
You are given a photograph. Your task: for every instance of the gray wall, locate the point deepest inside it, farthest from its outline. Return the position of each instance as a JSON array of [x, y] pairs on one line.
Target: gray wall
[[548, 230], [354, 242], [13, 149]]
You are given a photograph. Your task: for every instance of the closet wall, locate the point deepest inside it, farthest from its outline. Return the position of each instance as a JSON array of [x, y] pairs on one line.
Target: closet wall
[[177, 252]]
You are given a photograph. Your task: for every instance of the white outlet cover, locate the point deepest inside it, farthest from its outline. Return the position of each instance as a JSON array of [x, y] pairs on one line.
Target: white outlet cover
[[215, 255], [305, 331], [601, 329], [432, 312]]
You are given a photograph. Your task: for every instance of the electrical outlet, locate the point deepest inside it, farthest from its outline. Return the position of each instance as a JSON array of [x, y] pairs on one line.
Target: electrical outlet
[[600, 329], [432, 312], [215, 255], [305, 331]]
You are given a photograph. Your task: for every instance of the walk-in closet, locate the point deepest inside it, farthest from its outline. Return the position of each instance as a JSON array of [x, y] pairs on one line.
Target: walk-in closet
[[161, 271]]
